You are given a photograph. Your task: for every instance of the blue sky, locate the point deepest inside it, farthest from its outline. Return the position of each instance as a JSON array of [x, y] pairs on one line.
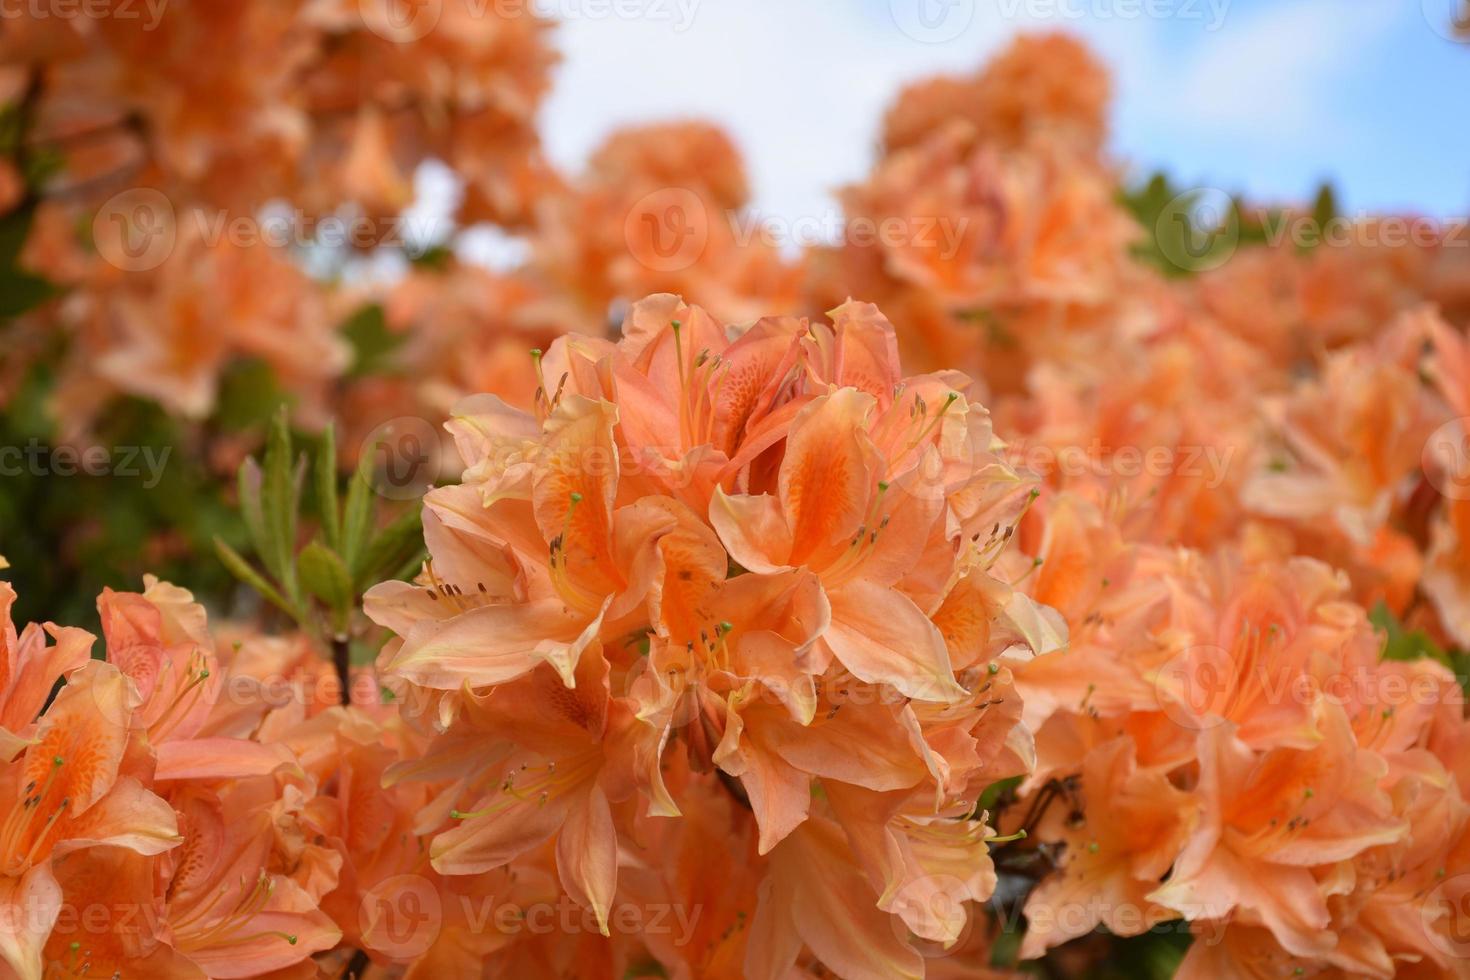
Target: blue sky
[[1267, 97]]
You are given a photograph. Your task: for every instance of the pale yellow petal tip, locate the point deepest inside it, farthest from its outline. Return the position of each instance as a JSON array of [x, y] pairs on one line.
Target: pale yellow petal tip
[[664, 809], [566, 671], [3, 562]]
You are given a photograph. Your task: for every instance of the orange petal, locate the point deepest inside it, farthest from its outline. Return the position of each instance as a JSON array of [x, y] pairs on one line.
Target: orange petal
[[779, 793], [826, 476], [587, 855], [883, 638], [834, 909], [753, 530], [495, 644], [28, 909]]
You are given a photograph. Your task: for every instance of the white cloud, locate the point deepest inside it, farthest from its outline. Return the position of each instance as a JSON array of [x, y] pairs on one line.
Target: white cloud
[[1269, 75], [802, 84]]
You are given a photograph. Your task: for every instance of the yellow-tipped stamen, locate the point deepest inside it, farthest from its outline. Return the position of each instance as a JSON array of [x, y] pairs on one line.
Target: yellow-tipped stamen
[[574, 594], [228, 930], [1007, 838], [553, 781], [865, 540], [184, 698], [1035, 564], [930, 425], [21, 821], [542, 395]]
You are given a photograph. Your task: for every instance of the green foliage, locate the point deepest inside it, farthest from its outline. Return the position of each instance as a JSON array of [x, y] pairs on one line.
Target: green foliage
[[248, 396], [1000, 792], [1404, 644], [437, 257], [318, 584], [1324, 207], [1151, 956], [19, 290], [1175, 243], [372, 342], [68, 533]]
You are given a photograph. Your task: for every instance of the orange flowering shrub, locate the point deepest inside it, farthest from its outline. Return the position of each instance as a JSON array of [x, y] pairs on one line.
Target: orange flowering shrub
[[1128, 636]]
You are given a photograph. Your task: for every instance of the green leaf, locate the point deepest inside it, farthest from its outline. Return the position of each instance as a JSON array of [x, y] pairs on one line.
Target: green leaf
[[324, 575], [1324, 208], [279, 503], [1172, 242], [14, 228], [645, 969], [21, 291], [249, 395], [250, 480], [993, 793], [392, 548], [326, 487], [241, 569], [436, 257], [372, 342], [357, 521], [1402, 644], [1153, 955]]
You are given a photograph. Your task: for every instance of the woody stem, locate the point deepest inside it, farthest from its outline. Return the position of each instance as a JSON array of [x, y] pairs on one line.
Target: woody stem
[[342, 660]]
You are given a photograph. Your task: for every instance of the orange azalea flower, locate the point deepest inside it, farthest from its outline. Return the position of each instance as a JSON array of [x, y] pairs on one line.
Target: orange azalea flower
[[1446, 577], [549, 780], [29, 669], [244, 886], [659, 211], [122, 883], [737, 620], [72, 788], [706, 874], [160, 641], [816, 898], [1120, 842], [1042, 86], [1268, 819], [1351, 439]]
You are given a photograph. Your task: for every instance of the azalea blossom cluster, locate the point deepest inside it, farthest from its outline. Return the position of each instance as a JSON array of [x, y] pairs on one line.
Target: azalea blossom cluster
[[1224, 746], [728, 582], [1239, 465], [155, 154], [187, 804]]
